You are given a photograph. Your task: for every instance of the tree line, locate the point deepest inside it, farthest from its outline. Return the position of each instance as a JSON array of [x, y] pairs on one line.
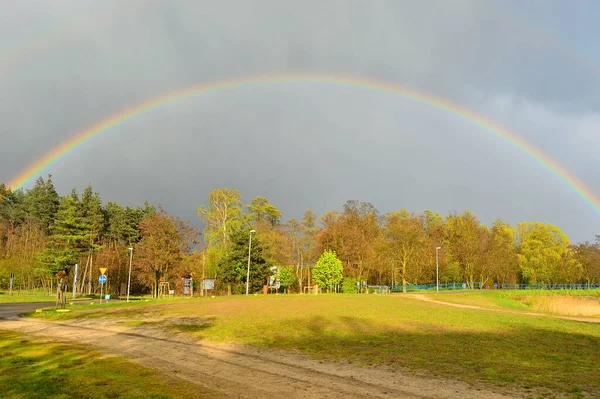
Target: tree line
[[43, 233], [396, 248]]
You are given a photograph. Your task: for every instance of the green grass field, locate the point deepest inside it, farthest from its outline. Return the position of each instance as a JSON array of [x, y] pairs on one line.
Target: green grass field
[[37, 296], [25, 296], [30, 368], [541, 354]]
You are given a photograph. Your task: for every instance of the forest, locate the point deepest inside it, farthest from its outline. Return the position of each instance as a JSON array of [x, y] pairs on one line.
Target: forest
[[43, 233]]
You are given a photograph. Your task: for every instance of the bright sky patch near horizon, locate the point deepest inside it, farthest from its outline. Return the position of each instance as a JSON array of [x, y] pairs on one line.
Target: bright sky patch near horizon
[[68, 65]]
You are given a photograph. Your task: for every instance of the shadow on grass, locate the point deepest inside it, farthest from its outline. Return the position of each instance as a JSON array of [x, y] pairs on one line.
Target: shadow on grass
[[42, 370], [518, 357], [34, 369], [99, 311], [182, 324]]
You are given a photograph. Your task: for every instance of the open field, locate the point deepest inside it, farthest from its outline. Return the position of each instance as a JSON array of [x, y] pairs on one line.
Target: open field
[[540, 355], [34, 368]]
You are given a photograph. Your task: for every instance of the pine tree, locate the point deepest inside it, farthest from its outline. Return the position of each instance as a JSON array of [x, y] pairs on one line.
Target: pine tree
[[93, 215], [12, 206], [42, 202], [69, 237], [232, 268]]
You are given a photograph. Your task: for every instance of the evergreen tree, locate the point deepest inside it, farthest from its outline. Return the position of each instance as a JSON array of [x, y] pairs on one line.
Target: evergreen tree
[[93, 215], [232, 268], [42, 202], [69, 237], [12, 205]]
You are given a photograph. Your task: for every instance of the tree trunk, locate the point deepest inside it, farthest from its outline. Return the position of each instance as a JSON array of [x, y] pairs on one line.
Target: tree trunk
[[90, 276], [156, 282], [83, 275]]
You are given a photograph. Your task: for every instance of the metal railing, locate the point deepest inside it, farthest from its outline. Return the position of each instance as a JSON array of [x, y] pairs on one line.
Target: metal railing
[[479, 286]]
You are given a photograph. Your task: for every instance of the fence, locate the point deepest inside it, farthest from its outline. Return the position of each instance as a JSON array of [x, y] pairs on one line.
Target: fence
[[464, 286]]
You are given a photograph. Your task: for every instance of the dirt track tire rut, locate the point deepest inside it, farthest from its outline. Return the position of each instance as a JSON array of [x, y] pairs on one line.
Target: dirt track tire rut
[[241, 372]]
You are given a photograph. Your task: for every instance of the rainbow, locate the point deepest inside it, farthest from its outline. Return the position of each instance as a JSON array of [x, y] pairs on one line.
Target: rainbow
[[565, 177]]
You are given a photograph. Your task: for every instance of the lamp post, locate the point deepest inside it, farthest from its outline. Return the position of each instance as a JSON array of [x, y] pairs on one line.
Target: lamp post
[[248, 273], [74, 280], [129, 278], [437, 270]]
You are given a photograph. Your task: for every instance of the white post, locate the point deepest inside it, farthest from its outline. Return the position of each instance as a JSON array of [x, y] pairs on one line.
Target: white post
[[12, 276], [101, 287], [248, 273], [129, 278], [75, 280]]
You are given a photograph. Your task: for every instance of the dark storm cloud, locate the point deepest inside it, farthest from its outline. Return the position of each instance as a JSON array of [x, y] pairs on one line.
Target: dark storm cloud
[[301, 146]]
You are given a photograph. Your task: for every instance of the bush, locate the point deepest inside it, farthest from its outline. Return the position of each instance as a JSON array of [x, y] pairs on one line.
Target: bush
[[328, 271], [349, 286]]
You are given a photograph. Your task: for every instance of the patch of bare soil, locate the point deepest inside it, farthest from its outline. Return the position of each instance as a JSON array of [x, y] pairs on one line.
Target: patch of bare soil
[[243, 372]]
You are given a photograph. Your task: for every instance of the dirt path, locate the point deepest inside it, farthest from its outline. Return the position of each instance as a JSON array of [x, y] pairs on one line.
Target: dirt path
[[462, 306], [242, 372]]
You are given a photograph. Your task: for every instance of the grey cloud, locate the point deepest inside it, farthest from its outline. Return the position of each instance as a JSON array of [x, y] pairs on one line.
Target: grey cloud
[[301, 146]]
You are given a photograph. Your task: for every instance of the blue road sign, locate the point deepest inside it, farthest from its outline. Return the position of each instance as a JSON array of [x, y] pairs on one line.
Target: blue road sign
[[102, 279]]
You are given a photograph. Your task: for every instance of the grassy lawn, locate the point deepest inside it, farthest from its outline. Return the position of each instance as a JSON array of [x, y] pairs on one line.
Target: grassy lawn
[[37, 296], [25, 296], [545, 355], [30, 368]]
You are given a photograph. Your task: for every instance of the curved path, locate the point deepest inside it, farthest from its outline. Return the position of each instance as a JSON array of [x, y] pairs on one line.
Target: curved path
[[499, 310], [243, 372]]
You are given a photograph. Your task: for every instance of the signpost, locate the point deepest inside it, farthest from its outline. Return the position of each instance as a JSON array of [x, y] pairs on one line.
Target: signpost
[[102, 280], [208, 284]]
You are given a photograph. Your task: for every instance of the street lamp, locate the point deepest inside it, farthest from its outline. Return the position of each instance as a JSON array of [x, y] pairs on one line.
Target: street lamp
[[437, 270], [74, 280], [129, 278], [249, 247]]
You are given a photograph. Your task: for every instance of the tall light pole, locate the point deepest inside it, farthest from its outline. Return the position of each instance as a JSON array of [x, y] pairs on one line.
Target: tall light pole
[[248, 273], [75, 280], [129, 278], [437, 270]]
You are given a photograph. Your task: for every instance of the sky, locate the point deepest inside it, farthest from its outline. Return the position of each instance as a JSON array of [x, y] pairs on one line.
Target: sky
[[531, 67]]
